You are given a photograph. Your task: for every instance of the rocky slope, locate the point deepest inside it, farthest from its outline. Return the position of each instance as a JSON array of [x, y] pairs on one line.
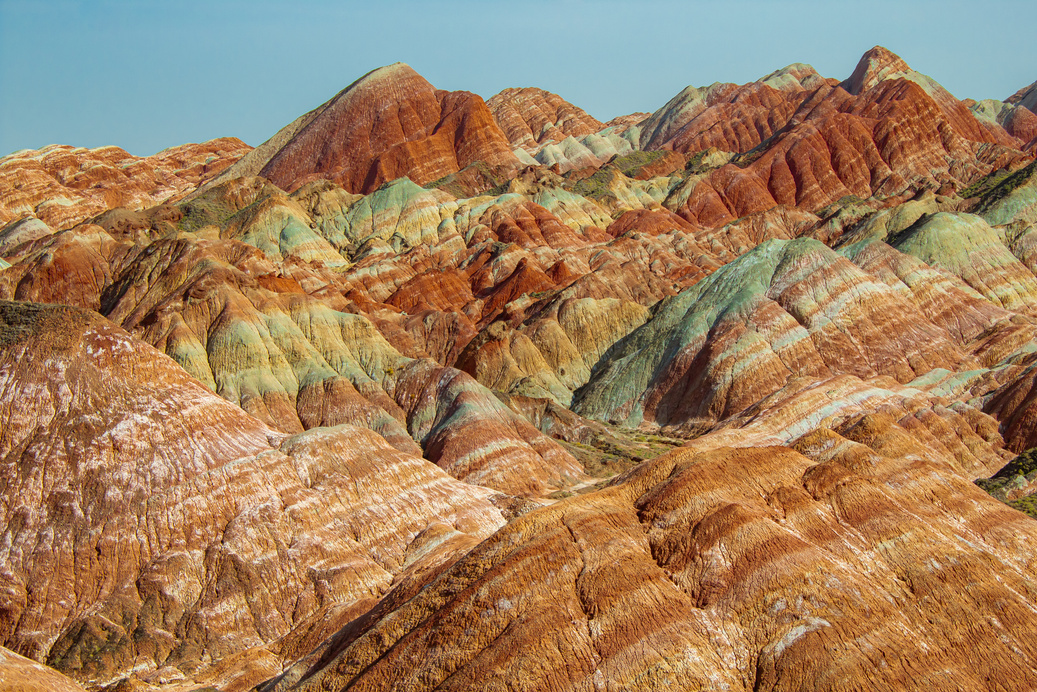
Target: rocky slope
[[354, 141], [63, 185], [684, 575], [144, 516], [531, 116], [350, 411]]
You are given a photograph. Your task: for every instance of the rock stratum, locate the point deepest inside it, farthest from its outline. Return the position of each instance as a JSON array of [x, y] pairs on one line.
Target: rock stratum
[[428, 392]]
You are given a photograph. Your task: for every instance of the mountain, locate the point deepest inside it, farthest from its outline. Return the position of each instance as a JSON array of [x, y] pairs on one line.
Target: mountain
[[165, 512], [430, 392], [533, 116], [356, 141], [682, 574], [1025, 97], [63, 186]]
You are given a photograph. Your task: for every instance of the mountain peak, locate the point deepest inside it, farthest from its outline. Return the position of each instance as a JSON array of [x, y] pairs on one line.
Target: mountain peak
[[876, 65]]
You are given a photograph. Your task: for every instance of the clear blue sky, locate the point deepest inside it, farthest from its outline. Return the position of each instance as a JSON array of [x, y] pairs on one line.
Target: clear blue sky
[[145, 74]]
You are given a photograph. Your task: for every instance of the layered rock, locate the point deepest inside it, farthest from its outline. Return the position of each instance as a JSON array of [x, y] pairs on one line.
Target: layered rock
[[685, 575], [1025, 97], [389, 123], [808, 142], [63, 185], [787, 309], [20, 674], [826, 290], [531, 117], [238, 318], [169, 529]]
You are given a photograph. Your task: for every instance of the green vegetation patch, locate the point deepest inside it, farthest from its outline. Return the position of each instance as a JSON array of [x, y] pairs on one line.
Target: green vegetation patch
[[1014, 474], [1027, 505], [596, 186], [472, 180], [202, 212], [983, 185], [997, 186], [54, 324], [1022, 465], [631, 164]]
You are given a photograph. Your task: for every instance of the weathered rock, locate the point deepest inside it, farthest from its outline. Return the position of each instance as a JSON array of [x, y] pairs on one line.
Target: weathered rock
[[20, 674], [388, 124], [533, 116], [62, 185], [169, 528], [686, 575], [786, 309]]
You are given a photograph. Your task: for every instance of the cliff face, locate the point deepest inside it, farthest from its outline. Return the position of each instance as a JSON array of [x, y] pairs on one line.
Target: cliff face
[[386, 403]]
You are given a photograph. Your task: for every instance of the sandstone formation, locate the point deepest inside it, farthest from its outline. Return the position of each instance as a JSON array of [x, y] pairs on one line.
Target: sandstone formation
[[533, 116], [1026, 97], [20, 674], [164, 514], [392, 402], [684, 575], [808, 142], [63, 185], [389, 123]]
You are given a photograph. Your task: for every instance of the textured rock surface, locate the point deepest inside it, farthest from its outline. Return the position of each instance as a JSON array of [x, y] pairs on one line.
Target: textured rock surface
[[1026, 97], [20, 674], [63, 185], [532, 116], [389, 123], [824, 290], [787, 309], [170, 529], [685, 575], [808, 142]]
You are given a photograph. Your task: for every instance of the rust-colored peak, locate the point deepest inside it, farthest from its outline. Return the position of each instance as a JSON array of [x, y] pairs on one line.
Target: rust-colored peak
[[876, 65]]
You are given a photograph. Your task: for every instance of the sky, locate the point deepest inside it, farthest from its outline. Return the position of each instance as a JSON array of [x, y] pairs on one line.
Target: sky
[[145, 75]]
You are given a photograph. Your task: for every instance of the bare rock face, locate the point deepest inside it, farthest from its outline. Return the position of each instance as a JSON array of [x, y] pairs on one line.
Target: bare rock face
[[388, 124], [684, 575], [63, 185], [826, 291], [809, 142], [786, 309], [168, 528], [532, 116]]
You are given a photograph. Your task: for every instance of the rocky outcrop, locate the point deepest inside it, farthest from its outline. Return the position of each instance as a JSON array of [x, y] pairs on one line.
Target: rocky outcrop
[[62, 185], [433, 322], [388, 124], [686, 575], [1025, 97], [531, 117], [787, 309], [169, 529], [20, 674], [808, 142]]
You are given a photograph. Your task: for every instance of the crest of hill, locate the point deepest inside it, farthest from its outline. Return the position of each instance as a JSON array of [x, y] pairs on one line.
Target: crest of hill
[[1026, 97], [531, 116], [388, 124]]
